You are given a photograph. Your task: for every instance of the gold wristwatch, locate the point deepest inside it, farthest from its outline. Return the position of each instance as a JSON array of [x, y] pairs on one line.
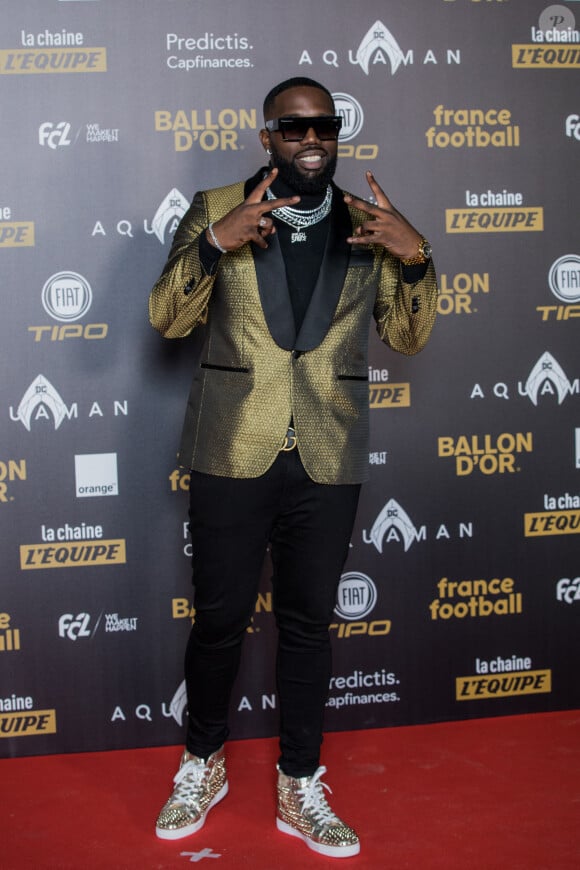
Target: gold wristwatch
[[424, 252]]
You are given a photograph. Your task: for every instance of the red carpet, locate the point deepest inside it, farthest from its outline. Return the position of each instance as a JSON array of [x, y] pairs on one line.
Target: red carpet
[[478, 795]]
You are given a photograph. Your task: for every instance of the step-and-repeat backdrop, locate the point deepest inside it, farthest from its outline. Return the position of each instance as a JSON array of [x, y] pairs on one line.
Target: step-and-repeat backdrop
[[461, 594]]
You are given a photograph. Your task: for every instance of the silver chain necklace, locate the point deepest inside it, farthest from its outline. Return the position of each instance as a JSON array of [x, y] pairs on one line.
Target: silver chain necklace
[[298, 219]]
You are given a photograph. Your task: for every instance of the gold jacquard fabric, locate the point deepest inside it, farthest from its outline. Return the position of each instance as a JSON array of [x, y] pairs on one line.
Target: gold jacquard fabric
[[247, 388]]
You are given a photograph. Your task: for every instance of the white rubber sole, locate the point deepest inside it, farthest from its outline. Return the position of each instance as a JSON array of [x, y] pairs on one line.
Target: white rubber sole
[[188, 830], [329, 851]]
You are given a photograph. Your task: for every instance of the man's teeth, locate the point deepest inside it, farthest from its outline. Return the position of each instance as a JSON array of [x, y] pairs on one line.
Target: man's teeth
[[313, 158]]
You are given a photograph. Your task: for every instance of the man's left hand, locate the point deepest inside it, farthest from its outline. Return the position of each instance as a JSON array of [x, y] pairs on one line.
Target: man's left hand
[[386, 226]]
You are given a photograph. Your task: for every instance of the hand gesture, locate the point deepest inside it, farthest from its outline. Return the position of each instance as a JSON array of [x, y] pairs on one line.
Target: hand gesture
[[386, 226], [250, 221]]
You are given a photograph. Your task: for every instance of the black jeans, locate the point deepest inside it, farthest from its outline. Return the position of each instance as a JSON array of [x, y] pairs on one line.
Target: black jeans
[[308, 526]]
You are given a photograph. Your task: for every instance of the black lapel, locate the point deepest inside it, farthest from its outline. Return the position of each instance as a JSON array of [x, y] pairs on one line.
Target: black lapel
[[272, 284], [331, 277], [252, 182], [274, 294]]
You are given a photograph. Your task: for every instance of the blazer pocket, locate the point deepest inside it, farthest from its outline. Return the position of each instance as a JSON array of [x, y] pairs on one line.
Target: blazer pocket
[[224, 368], [352, 377]]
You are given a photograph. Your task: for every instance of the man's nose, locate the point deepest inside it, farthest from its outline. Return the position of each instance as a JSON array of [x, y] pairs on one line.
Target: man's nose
[[310, 136]]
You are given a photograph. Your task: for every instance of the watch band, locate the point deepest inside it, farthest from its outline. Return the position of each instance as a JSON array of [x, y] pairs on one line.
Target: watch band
[[422, 255]]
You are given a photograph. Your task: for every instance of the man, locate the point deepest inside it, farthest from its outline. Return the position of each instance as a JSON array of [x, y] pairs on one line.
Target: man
[[283, 272]]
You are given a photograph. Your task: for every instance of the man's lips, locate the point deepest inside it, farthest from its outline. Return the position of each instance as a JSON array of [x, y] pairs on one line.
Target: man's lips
[[310, 159]]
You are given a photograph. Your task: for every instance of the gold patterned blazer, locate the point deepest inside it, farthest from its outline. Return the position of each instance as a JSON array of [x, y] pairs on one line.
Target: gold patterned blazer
[[255, 373]]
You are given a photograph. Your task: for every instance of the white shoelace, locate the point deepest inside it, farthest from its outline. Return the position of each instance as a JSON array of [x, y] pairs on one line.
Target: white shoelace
[[314, 799], [189, 779]]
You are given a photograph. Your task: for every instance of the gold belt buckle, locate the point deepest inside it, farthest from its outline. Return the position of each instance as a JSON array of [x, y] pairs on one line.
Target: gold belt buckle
[[289, 440]]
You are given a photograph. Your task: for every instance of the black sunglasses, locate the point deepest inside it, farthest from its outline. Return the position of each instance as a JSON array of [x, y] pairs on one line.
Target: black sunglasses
[[295, 129]]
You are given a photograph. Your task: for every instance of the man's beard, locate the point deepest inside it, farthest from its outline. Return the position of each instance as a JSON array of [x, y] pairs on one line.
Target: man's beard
[[291, 176]]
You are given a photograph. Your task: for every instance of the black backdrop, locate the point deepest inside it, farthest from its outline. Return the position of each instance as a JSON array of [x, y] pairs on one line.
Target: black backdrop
[[461, 594]]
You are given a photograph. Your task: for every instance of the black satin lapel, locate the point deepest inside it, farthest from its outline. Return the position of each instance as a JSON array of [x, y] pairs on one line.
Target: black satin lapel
[[274, 295], [272, 283], [252, 182], [331, 278]]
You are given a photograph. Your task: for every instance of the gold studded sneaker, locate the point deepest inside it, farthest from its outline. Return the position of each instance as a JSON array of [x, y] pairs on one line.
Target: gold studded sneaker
[[303, 812], [199, 785]]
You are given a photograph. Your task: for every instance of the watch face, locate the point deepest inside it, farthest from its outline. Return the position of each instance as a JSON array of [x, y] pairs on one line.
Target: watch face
[[426, 249]]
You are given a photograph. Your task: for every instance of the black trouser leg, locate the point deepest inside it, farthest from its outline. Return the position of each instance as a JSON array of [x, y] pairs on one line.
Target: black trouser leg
[[231, 522], [309, 548]]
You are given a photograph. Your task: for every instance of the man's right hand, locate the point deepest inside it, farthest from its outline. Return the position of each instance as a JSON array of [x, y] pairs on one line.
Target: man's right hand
[[250, 221]]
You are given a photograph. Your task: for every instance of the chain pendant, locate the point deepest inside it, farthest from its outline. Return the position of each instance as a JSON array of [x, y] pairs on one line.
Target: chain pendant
[[301, 220]]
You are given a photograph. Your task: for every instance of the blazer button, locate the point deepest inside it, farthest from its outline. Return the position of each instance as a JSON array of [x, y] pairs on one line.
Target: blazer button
[[296, 354]]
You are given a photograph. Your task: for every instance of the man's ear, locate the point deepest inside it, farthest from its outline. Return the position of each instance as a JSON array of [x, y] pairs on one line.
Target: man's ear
[[265, 139]]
